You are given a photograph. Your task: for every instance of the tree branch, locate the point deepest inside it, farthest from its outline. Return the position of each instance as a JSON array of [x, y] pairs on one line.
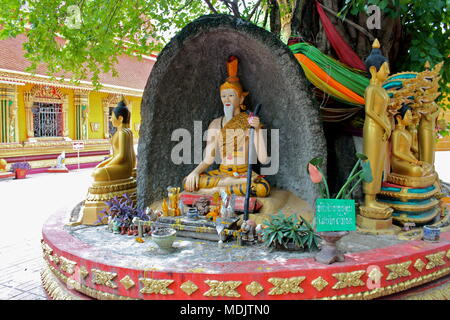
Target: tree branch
[[211, 7], [188, 2], [112, 15], [233, 6], [254, 10], [354, 25]]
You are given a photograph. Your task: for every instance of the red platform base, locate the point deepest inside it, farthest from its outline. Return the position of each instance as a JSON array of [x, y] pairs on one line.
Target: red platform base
[[364, 275], [6, 175]]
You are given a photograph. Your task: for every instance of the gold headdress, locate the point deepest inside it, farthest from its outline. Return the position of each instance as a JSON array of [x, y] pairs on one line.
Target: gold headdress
[[232, 81]]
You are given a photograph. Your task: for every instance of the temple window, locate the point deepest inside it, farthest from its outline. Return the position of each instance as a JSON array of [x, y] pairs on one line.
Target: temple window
[[47, 119]]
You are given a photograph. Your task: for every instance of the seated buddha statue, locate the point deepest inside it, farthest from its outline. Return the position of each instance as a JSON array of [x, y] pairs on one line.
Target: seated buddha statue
[[228, 137], [115, 175], [123, 160], [403, 161]]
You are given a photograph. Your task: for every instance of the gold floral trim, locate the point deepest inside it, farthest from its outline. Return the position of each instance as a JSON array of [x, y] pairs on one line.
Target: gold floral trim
[[419, 265], [222, 288], [398, 270], [189, 287], [435, 260], [395, 288], [127, 282], [67, 265], [104, 278], [319, 283], [348, 279], [96, 294], [53, 288], [156, 286], [254, 288], [286, 285]]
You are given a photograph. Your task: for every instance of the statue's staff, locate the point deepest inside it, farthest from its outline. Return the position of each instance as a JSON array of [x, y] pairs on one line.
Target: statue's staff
[[250, 158]]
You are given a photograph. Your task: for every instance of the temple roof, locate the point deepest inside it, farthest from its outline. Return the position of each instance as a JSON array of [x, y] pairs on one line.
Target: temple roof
[[132, 73]]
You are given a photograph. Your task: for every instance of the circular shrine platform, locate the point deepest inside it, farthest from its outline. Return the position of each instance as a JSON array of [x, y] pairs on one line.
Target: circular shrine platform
[[86, 262]]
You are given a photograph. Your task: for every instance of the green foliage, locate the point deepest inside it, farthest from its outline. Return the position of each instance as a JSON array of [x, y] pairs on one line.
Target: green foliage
[[425, 22], [361, 172], [79, 39], [282, 230]]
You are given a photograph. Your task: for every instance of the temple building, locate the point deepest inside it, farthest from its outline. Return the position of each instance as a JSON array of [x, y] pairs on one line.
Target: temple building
[[41, 117]]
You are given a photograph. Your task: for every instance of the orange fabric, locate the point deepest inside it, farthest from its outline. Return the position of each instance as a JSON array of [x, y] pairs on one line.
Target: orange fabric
[[327, 79]]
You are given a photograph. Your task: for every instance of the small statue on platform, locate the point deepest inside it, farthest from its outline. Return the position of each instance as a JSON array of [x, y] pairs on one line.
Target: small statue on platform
[[202, 205], [60, 166], [377, 130], [403, 160], [248, 231], [228, 136]]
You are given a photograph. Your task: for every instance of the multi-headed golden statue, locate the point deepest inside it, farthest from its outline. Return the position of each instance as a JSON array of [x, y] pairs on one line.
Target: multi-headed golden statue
[[411, 183], [228, 136], [376, 132], [116, 175]]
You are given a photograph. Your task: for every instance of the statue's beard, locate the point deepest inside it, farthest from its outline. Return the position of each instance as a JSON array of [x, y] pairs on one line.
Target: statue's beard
[[228, 112]]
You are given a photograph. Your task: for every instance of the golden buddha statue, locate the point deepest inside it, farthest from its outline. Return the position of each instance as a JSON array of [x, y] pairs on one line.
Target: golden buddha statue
[[376, 132], [228, 136], [403, 161], [412, 128], [123, 160], [429, 113], [115, 175]]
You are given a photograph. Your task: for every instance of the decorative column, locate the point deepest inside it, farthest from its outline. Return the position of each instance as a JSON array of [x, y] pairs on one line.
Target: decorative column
[[28, 97], [8, 114], [65, 108], [106, 122], [81, 100]]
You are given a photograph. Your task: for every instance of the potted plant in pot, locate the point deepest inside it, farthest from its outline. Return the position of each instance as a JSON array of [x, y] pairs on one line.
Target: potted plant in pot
[[289, 233], [120, 213], [335, 215], [20, 169]]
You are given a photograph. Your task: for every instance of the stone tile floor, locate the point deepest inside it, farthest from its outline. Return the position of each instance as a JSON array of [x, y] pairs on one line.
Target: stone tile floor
[[26, 204], [24, 207]]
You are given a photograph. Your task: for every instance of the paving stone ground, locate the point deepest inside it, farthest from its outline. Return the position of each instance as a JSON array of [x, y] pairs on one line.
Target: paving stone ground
[[26, 204]]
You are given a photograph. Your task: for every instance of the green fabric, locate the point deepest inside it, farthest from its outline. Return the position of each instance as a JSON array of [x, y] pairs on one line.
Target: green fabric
[[351, 78]]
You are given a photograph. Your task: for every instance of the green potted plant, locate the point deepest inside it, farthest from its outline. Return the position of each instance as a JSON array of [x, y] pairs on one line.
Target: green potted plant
[[332, 233], [289, 233], [20, 169], [120, 212]]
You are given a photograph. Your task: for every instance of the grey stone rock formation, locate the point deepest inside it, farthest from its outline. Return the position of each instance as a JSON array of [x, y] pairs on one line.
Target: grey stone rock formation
[[184, 87]]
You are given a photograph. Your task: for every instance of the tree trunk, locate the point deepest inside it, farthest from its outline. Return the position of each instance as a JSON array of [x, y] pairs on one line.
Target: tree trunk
[[275, 21]]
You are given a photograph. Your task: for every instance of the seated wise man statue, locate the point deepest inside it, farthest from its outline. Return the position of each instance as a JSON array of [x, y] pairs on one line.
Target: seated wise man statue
[[228, 136]]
